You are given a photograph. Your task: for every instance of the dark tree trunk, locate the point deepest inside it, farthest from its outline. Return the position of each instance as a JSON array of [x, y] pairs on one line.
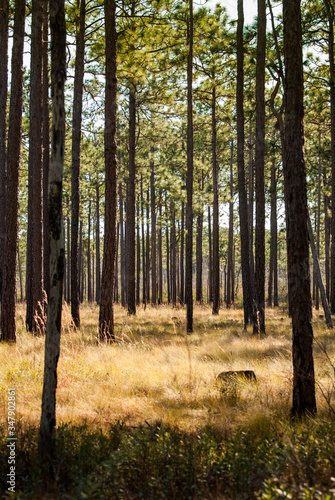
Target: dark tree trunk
[[8, 323], [89, 273], [68, 263], [216, 254], [46, 147], [327, 236], [160, 256], [131, 295], [47, 445], [116, 287], [4, 13], [144, 274], [243, 204], [182, 275], [318, 219], [153, 238], [259, 316], [122, 249], [75, 167], [297, 234], [138, 252], [273, 275], [97, 256], [189, 177], [20, 274], [230, 279], [251, 209], [173, 258], [81, 263], [147, 254], [198, 290], [210, 262], [168, 264], [106, 314], [35, 202]]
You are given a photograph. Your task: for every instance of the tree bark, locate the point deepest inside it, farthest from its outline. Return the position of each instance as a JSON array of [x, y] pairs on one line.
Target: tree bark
[[147, 255], [8, 323], [230, 279], [138, 252], [46, 147], [34, 292], [210, 263], [89, 274], [75, 156], [189, 177], [243, 204], [122, 249], [259, 316], [144, 273], [153, 237], [131, 295], [216, 254], [160, 256], [46, 444], [106, 314], [97, 253], [297, 233], [182, 237], [4, 13]]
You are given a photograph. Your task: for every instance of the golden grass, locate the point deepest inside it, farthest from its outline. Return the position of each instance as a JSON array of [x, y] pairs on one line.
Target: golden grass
[[155, 372]]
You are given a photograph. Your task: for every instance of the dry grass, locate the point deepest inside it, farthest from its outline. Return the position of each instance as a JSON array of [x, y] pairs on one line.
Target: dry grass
[[155, 372]]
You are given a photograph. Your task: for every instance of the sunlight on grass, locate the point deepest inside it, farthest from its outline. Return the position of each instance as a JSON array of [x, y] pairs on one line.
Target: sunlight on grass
[[154, 372]]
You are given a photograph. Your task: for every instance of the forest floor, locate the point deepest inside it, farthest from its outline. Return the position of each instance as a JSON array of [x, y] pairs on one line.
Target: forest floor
[[154, 394]]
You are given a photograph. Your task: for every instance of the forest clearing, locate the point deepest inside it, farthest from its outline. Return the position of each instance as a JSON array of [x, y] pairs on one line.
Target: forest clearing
[[154, 394]]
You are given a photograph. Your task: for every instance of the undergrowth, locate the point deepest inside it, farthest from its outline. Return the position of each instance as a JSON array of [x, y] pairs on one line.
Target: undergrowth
[[284, 460]]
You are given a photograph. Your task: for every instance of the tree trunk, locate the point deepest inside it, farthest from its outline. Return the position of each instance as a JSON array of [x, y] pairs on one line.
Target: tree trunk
[[106, 314], [259, 316], [160, 256], [147, 255], [45, 145], [97, 253], [81, 263], [153, 237], [230, 280], [182, 275], [89, 275], [138, 252], [168, 264], [35, 202], [297, 234], [122, 249], [46, 444], [75, 156], [210, 263], [116, 287], [189, 177], [216, 254], [8, 323], [318, 275], [144, 273], [131, 295], [327, 236], [199, 296], [273, 277], [251, 185], [20, 274], [243, 204], [4, 13]]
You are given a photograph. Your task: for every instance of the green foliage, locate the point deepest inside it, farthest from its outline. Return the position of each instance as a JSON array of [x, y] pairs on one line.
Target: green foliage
[[276, 460]]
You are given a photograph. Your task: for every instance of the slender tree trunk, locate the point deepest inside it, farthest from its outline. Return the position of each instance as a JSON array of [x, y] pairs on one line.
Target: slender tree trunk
[[131, 295], [318, 218], [97, 256], [122, 249], [116, 287], [81, 263], [4, 13], [327, 237], [173, 259], [182, 275], [147, 255], [35, 202], [168, 264], [189, 177], [251, 209], [68, 261], [138, 253], [297, 234], [20, 274], [216, 254], [153, 237], [75, 158], [273, 276], [89, 273], [47, 445], [243, 204], [45, 145], [8, 323], [160, 256], [230, 286], [210, 264], [144, 273], [106, 314], [259, 316], [199, 295]]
